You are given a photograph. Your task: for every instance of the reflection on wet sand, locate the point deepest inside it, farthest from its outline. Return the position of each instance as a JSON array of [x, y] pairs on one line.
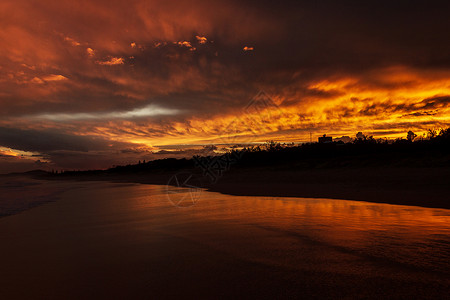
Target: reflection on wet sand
[[416, 236], [104, 240]]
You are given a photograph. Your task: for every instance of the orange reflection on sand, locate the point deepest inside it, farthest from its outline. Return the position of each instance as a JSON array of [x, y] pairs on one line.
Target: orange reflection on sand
[[270, 227]]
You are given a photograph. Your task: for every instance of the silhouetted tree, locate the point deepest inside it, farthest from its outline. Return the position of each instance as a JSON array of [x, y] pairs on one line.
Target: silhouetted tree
[[306, 155], [432, 133], [444, 133], [360, 136], [272, 146], [411, 136]]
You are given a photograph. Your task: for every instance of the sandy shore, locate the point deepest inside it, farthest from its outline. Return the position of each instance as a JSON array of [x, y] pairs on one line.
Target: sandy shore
[[427, 187], [115, 241], [417, 186]]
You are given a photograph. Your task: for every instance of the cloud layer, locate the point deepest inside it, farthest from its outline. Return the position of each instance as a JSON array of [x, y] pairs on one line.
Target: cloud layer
[[145, 73]]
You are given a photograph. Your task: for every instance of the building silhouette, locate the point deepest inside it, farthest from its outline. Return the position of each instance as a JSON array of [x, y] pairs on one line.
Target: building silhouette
[[325, 139]]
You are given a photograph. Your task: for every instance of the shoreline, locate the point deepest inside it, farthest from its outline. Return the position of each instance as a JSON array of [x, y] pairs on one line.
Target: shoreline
[[414, 186], [111, 241], [425, 187]]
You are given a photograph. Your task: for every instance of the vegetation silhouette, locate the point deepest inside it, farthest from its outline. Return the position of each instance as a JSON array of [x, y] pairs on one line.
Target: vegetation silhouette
[[427, 151]]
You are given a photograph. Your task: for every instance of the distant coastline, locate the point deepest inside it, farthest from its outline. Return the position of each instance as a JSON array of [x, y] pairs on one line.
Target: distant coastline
[[404, 173]]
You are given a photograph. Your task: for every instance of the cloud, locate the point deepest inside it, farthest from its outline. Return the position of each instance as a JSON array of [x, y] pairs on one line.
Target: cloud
[[184, 44], [90, 52], [52, 140], [58, 149], [53, 77], [201, 39], [10, 164], [72, 41], [37, 80], [95, 68], [112, 61], [147, 111]]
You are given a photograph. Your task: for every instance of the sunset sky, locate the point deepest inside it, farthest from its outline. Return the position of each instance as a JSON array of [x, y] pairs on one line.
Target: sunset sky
[[90, 84]]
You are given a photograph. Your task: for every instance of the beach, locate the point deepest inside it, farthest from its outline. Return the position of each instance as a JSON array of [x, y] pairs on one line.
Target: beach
[[217, 149], [115, 240], [417, 186]]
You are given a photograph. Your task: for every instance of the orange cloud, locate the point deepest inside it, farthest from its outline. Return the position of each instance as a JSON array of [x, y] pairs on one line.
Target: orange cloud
[[365, 103], [7, 152], [54, 77], [323, 84], [37, 80], [201, 39], [90, 51], [112, 61], [72, 41], [356, 104], [184, 44]]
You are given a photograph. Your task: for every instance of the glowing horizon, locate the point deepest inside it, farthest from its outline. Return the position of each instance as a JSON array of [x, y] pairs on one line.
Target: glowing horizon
[[93, 84]]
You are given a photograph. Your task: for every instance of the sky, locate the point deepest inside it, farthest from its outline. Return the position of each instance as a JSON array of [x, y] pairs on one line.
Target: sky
[[91, 84]]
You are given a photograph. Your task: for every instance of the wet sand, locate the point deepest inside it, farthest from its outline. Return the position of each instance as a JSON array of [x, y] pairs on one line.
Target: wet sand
[[20, 192], [111, 241], [416, 186], [426, 187]]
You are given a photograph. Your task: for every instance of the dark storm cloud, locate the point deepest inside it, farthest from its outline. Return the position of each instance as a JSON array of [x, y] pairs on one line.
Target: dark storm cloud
[[52, 140], [423, 107], [9, 164], [316, 38], [435, 102], [68, 60]]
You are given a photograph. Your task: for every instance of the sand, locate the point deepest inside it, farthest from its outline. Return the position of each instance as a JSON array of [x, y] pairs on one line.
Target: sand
[[426, 187], [416, 186], [111, 241]]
